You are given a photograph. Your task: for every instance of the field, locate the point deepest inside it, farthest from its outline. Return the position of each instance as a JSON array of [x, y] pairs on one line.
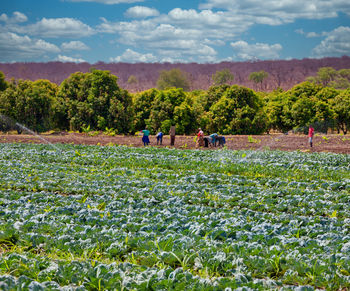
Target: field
[[79, 217], [291, 142]]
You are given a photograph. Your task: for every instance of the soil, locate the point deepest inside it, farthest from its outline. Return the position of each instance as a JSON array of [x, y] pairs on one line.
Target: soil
[[291, 142]]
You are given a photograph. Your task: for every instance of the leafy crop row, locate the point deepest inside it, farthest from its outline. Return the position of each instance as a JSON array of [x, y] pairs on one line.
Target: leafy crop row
[[94, 218]]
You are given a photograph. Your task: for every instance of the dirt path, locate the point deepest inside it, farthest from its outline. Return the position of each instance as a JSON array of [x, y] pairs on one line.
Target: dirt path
[[322, 143]]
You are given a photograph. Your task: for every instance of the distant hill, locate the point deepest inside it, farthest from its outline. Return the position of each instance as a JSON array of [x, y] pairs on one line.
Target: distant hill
[[282, 73]]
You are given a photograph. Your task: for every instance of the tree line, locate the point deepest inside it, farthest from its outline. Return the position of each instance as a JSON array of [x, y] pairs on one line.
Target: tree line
[[94, 101], [139, 77]]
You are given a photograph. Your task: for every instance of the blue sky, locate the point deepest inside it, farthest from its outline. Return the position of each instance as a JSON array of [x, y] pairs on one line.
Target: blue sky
[[202, 31]]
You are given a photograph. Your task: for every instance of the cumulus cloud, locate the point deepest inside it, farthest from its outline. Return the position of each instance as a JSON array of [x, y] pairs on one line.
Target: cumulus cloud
[[181, 34], [57, 27], [336, 44], [282, 11], [66, 59], [131, 56], [22, 48], [311, 34], [141, 12], [17, 17], [261, 51], [74, 45]]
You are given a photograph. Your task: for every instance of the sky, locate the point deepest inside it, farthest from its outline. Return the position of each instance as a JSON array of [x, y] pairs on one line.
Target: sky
[[181, 31]]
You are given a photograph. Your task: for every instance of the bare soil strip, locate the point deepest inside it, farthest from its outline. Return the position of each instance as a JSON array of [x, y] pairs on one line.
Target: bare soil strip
[[322, 143]]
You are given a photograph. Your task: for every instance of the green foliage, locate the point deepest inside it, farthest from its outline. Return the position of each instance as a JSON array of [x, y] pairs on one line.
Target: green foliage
[[239, 111], [93, 99], [328, 76], [173, 78], [142, 107], [3, 83], [222, 77], [185, 117], [132, 80], [305, 103], [163, 107], [213, 95], [124, 218], [341, 107], [258, 77], [29, 103]]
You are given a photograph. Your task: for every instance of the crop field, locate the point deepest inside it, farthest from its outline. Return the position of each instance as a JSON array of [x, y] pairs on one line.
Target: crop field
[[76, 217]]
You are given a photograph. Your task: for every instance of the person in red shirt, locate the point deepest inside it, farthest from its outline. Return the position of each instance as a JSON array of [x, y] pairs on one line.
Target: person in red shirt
[[200, 138], [311, 134]]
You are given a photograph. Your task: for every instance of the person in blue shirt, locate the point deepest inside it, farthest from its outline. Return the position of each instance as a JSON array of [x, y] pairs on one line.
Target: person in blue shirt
[[213, 138], [159, 137]]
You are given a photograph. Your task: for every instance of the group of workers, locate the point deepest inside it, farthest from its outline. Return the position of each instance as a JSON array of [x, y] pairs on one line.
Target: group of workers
[[159, 136], [201, 140]]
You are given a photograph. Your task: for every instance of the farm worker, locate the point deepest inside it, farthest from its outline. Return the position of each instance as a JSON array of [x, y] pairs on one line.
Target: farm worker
[[213, 138], [221, 139], [159, 137], [172, 135], [200, 138], [311, 134], [145, 137]]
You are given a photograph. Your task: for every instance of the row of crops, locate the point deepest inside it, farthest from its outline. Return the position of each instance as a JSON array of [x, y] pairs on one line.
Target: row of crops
[[121, 218]]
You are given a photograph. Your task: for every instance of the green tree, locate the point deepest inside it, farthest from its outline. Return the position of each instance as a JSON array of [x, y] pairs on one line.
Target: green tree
[[276, 109], [29, 103], [142, 107], [341, 107], [303, 111], [3, 83], [238, 111], [258, 77], [213, 94], [326, 74], [185, 117], [133, 82], [163, 106], [94, 99], [173, 78], [222, 77]]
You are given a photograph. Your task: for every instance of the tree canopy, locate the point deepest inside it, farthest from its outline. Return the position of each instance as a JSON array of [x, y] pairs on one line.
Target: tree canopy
[[173, 78], [94, 101], [222, 77], [258, 77]]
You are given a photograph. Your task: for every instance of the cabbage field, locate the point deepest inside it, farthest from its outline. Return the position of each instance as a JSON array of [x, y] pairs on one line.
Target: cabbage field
[[76, 217]]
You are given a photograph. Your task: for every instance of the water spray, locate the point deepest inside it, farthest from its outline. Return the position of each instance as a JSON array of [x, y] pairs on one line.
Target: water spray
[[9, 121]]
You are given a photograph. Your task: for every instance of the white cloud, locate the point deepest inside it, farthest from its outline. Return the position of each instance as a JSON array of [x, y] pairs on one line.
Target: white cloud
[[131, 56], [281, 11], [17, 17], [141, 12], [57, 27], [22, 48], [247, 51], [74, 45], [66, 59], [181, 34], [108, 1], [337, 44], [311, 34]]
